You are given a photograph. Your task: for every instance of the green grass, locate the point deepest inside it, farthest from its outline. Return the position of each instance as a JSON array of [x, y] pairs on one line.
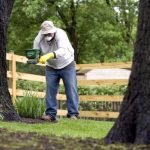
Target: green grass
[[64, 127]]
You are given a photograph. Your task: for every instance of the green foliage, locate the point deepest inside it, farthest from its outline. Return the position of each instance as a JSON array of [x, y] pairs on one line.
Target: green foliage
[[102, 90], [101, 33], [31, 68], [32, 9], [96, 106], [30, 85], [105, 39], [30, 106], [24, 25], [82, 90]]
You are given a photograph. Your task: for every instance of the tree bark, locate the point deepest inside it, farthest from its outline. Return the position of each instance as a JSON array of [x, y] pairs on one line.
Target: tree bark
[[133, 123], [7, 110]]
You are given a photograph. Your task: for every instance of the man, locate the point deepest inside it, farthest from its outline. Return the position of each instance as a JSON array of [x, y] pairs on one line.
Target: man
[[58, 54]]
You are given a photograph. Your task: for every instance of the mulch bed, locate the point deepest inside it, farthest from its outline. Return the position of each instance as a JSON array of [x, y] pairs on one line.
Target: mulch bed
[[32, 121]]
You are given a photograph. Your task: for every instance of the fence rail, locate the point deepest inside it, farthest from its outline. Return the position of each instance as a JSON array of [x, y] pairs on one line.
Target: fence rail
[[13, 76]]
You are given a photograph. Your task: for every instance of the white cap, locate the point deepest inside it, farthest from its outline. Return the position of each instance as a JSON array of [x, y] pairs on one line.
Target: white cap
[[47, 27]]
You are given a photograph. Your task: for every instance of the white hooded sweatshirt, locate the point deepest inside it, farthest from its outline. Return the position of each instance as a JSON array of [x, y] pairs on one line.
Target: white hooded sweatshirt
[[60, 45]]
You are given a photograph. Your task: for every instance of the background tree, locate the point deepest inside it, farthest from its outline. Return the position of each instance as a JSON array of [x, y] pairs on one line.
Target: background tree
[[133, 123], [91, 30], [7, 111], [126, 16]]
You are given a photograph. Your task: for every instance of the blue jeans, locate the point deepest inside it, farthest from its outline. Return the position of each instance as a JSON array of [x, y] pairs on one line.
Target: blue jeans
[[53, 76]]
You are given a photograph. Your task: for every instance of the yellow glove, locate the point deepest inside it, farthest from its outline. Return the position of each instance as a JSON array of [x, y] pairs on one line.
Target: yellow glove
[[44, 58]]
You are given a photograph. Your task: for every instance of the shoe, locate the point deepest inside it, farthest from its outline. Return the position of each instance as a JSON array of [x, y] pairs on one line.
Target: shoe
[[72, 117], [48, 118]]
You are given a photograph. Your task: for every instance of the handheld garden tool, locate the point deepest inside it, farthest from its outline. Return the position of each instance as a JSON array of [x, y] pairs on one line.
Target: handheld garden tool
[[33, 55]]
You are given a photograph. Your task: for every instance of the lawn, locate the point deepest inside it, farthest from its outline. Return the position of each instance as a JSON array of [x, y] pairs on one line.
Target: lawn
[[64, 127], [65, 135]]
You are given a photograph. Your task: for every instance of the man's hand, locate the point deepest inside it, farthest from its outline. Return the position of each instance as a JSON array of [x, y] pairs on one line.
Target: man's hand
[[44, 58]]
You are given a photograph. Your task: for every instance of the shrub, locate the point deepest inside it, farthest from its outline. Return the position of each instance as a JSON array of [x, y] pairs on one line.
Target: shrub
[[82, 90], [30, 85], [102, 90], [96, 106]]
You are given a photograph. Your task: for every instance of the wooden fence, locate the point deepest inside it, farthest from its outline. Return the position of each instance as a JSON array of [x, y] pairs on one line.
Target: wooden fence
[[13, 76]]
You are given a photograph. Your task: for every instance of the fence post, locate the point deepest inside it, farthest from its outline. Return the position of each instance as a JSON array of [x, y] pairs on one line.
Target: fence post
[[12, 81]]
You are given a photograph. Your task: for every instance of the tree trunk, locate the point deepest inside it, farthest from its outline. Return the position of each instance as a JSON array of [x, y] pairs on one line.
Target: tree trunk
[[133, 123], [71, 29], [7, 111], [70, 23]]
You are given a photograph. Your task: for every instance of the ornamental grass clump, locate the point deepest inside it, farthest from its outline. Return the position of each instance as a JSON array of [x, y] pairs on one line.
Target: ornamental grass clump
[[30, 106]]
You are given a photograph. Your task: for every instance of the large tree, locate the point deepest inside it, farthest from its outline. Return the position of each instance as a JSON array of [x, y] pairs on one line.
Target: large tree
[[133, 123], [7, 111]]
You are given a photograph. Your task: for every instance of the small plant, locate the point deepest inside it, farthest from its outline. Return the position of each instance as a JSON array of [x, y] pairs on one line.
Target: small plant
[[30, 106]]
